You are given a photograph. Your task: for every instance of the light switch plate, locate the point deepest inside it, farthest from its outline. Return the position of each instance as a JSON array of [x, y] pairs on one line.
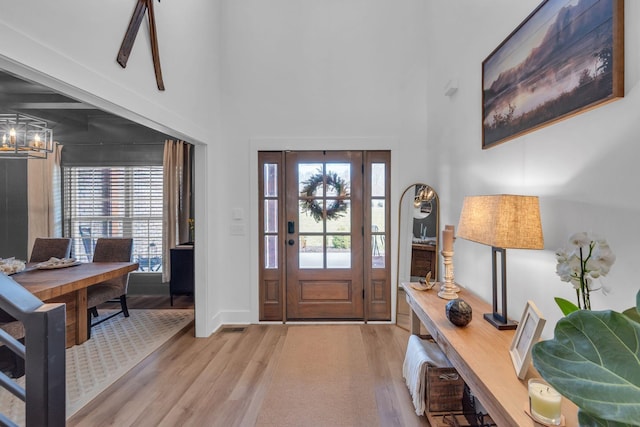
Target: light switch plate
[[237, 213]]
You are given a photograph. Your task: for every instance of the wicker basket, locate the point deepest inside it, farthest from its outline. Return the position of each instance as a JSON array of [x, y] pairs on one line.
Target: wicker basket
[[444, 390]]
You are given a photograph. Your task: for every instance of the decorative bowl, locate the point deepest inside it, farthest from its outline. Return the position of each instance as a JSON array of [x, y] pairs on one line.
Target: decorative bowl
[[458, 312]]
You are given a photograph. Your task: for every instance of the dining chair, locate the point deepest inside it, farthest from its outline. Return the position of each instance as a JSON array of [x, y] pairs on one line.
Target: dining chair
[[85, 235], [44, 248], [109, 250]]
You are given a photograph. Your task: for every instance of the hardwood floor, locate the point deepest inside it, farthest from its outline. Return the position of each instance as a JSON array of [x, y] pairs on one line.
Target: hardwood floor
[[222, 380]]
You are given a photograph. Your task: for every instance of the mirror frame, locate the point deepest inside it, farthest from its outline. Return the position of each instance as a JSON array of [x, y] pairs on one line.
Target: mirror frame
[[400, 239]]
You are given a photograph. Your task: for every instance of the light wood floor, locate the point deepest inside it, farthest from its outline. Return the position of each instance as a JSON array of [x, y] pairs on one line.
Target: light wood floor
[[222, 380]]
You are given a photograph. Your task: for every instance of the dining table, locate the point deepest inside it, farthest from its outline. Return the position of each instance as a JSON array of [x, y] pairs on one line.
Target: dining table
[[69, 285]]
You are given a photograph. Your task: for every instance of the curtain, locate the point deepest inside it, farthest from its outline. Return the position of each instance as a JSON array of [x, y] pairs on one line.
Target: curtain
[[176, 200], [44, 197]]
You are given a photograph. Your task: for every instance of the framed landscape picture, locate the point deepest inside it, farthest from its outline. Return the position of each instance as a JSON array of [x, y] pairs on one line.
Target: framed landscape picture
[[565, 58]]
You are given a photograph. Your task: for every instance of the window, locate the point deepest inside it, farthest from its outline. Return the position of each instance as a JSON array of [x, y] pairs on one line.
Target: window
[[122, 201], [379, 210]]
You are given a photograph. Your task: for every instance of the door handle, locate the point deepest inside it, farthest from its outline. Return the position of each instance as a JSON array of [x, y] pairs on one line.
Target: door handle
[[291, 227], [291, 242]]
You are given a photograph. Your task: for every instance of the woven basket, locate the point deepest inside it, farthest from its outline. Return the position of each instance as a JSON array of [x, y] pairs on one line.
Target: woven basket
[[444, 390]]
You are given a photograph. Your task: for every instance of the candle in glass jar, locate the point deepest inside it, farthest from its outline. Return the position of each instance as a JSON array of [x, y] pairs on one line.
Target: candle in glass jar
[[544, 401], [447, 240]]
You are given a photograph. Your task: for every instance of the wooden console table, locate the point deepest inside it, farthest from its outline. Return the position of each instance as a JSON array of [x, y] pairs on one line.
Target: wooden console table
[[480, 353]]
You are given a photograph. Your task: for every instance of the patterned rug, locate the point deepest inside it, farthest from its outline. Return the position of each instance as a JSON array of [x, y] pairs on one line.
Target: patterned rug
[[115, 347]]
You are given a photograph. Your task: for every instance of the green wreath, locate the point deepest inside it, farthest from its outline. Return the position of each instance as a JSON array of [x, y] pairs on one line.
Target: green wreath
[[336, 208]]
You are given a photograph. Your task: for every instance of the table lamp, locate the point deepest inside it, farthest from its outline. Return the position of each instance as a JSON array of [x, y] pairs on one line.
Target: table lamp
[[502, 221]]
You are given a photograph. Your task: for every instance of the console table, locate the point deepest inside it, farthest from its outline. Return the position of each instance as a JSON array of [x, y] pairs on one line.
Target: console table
[[480, 353]]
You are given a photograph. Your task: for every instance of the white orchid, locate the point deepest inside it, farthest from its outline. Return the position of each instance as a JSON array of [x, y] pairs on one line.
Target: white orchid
[[590, 258], [580, 239]]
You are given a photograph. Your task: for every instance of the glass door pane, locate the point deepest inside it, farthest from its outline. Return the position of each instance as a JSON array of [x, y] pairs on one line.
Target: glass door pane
[[324, 207]]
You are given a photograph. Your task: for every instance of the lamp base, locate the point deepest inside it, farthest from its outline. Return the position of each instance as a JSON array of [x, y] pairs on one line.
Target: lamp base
[[499, 322], [447, 294]]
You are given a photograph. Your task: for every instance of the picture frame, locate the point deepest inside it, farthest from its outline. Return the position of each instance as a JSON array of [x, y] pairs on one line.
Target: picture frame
[[527, 334], [565, 58]]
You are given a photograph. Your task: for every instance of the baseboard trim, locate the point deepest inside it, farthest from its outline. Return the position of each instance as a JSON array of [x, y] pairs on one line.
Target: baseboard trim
[[240, 317]]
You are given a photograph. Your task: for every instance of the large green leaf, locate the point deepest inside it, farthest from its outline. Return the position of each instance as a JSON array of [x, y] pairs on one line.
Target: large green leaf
[[586, 420], [594, 361], [633, 314], [566, 307]]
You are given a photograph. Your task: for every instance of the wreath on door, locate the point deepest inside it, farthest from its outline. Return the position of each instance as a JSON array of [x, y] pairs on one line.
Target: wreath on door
[[336, 208]]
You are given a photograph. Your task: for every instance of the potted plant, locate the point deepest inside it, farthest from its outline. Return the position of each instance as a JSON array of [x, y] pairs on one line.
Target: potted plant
[[594, 361], [594, 357]]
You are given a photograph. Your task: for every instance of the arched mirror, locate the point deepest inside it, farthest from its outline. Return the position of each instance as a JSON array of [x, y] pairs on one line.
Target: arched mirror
[[417, 242]]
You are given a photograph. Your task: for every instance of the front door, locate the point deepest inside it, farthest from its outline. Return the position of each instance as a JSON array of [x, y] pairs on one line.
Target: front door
[[324, 235], [323, 232]]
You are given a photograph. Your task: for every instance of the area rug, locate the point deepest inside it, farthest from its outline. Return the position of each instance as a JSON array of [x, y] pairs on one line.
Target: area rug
[[115, 347], [322, 379]]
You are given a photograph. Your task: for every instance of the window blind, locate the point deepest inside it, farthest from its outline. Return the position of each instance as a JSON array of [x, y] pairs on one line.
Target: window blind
[[122, 201]]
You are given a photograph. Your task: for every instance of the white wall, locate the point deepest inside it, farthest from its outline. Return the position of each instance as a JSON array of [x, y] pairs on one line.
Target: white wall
[[71, 46], [296, 74], [584, 169], [76, 43], [308, 74]]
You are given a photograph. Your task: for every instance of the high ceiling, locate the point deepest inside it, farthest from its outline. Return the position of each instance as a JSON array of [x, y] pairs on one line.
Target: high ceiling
[[73, 122]]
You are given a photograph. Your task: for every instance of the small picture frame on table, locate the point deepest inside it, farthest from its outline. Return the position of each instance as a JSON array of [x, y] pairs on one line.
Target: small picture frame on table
[[527, 334]]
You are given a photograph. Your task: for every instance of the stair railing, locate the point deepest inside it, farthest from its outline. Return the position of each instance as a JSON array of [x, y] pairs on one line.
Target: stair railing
[[43, 352]]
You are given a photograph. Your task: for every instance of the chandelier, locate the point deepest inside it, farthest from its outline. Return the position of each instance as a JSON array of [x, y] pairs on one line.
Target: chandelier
[[424, 193], [24, 137], [423, 201]]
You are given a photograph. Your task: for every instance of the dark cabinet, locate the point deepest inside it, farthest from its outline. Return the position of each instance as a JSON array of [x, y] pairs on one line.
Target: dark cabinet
[[182, 271], [423, 260]]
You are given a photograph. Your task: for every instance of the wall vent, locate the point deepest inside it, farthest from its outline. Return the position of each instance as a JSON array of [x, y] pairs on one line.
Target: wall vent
[[233, 329]]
